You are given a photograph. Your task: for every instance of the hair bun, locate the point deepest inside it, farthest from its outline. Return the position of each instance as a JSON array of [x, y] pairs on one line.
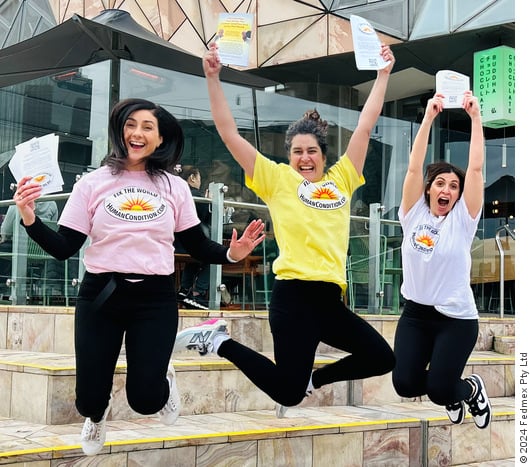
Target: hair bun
[[312, 115]]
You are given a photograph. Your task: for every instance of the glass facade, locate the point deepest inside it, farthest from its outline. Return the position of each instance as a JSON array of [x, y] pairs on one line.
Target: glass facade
[[75, 105]]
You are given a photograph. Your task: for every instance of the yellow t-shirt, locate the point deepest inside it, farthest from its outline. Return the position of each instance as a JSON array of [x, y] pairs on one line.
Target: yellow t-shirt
[[311, 220]]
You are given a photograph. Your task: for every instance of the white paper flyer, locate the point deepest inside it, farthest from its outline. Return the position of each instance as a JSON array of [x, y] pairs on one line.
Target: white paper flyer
[[234, 34], [367, 46], [452, 86], [38, 158]]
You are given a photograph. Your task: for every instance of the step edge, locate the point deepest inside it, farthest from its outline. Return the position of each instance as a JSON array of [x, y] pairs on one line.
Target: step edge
[[232, 436]]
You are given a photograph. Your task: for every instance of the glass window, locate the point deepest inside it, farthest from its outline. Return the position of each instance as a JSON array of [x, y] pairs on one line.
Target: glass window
[[76, 104]]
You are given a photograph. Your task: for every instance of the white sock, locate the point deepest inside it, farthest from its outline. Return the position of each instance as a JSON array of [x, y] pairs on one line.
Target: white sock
[[218, 339]]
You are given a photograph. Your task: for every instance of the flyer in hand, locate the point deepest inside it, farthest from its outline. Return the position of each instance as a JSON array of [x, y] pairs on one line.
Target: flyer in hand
[[367, 45], [233, 37], [38, 158], [452, 86]]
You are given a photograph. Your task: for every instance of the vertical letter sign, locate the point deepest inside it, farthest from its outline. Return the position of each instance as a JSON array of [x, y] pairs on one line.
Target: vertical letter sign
[[494, 85]]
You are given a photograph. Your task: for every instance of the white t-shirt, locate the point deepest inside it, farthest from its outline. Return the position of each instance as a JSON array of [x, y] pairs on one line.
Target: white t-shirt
[[436, 256], [129, 219]]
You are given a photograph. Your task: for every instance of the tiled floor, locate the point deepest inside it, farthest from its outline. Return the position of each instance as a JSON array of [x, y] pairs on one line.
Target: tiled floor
[[386, 433]]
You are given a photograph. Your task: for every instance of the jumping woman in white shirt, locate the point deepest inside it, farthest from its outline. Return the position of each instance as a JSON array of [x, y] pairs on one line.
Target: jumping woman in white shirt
[[439, 324]]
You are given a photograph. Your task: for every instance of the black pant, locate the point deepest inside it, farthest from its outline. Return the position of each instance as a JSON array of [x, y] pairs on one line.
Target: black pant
[[431, 353], [302, 314], [146, 314]]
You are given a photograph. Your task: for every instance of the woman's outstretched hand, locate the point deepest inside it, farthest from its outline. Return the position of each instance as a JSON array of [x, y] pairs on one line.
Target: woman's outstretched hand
[[470, 104], [388, 56], [25, 195], [251, 238], [435, 105], [211, 63]]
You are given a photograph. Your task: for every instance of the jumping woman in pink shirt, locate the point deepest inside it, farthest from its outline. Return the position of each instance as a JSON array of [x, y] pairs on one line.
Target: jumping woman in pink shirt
[[130, 208]]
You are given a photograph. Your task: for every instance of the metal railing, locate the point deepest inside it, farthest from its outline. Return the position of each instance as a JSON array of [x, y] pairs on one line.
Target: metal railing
[[504, 228], [373, 226], [29, 281]]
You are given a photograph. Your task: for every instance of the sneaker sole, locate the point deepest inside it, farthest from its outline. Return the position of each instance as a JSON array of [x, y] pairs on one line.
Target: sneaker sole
[[192, 304]]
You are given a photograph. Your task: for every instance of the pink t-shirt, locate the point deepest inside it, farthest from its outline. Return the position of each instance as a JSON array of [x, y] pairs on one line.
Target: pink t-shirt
[[129, 219]]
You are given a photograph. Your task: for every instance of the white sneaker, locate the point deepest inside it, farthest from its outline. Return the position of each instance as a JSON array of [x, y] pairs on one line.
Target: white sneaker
[[93, 434], [200, 337], [169, 413], [281, 410]]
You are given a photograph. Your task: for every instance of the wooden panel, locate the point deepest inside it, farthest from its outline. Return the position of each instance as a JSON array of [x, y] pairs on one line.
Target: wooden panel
[[486, 260]]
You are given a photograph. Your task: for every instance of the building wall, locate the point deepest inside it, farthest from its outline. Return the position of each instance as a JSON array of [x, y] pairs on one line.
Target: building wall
[[286, 30]]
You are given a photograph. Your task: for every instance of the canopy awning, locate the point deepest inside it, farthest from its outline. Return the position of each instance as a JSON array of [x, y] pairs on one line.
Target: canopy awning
[[113, 34]]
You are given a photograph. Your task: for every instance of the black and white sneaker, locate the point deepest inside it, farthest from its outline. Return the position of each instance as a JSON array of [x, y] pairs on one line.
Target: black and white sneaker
[[456, 412], [182, 296], [197, 302], [479, 404]]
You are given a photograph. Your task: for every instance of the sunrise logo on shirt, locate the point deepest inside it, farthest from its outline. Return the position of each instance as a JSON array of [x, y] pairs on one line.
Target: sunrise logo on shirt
[[324, 193], [135, 204], [424, 238], [321, 196]]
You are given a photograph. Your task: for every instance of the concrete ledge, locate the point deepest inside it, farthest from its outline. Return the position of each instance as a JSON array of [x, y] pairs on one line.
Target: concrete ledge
[[306, 436], [206, 384]]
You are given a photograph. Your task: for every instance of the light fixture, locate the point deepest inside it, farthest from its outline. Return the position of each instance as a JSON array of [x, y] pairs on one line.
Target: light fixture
[[146, 75]]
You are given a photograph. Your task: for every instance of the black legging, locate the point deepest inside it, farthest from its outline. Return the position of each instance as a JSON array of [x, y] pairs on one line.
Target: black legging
[[431, 352], [146, 314], [302, 314]]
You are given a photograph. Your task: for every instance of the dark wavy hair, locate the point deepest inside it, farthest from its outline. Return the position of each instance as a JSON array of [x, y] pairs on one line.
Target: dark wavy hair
[[165, 157], [437, 168], [309, 124]]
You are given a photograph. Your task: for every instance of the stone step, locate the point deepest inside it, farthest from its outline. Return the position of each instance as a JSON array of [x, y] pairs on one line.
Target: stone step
[[504, 345], [50, 329], [206, 384], [393, 434]]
